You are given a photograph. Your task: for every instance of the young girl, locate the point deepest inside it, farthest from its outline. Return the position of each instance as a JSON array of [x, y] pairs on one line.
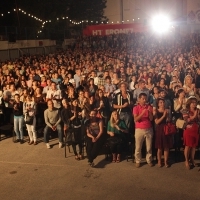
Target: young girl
[[29, 110]]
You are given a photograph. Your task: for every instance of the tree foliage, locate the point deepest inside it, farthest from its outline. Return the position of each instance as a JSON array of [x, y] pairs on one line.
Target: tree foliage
[[76, 10]]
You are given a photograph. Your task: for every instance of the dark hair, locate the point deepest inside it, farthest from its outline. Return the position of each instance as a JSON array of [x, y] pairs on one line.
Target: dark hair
[[97, 94], [142, 95], [189, 101], [108, 77], [159, 99], [180, 91], [154, 88]]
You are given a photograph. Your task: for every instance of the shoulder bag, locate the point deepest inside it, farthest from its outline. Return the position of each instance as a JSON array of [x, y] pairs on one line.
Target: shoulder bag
[[181, 124], [169, 129]]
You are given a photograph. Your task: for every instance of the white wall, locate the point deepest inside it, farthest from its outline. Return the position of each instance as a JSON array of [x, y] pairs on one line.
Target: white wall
[[113, 10], [10, 51]]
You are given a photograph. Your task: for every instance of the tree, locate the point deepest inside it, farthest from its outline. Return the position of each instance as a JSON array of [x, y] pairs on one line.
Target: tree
[[87, 10], [76, 10]]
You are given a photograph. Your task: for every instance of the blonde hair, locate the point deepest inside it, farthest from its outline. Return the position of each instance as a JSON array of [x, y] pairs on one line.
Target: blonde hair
[[113, 122], [185, 79]]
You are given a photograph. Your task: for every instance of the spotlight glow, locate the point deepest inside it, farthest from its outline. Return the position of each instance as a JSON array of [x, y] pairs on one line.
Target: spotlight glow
[[161, 23]]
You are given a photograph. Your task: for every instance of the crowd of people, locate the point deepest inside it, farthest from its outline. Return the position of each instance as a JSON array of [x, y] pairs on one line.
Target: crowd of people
[[107, 89]]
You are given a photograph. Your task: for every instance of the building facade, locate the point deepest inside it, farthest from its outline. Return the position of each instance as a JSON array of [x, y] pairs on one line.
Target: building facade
[[142, 11]]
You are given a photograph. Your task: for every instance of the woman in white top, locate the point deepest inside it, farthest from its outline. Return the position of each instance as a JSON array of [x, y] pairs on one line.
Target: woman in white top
[[29, 110]]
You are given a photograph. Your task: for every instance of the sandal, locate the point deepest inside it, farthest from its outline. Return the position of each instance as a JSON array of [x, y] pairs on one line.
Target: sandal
[[193, 163], [159, 164], [80, 157], [118, 159], [77, 158]]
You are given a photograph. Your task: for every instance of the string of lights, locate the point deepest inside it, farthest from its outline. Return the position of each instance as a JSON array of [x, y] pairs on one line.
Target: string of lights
[[65, 18]]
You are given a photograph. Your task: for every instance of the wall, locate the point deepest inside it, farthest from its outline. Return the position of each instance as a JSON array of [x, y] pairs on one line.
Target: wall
[[144, 9], [11, 51], [4, 45]]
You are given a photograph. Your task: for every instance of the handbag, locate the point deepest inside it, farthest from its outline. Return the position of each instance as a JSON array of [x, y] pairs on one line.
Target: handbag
[[181, 124], [169, 129], [29, 120], [99, 115]]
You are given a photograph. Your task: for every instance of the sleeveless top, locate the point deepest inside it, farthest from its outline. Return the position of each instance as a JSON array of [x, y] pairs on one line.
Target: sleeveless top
[[94, 127]]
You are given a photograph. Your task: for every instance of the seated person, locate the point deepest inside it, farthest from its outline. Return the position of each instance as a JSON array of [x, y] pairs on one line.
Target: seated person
[[71, 118], [52, 120], [94, 130], [117, 130]]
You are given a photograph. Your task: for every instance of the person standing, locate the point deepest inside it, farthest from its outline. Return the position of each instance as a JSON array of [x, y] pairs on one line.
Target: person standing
[[122, 103], [55, 95], [18, 119], [191, 133], [143, 115], [163, 142], [29, 110]]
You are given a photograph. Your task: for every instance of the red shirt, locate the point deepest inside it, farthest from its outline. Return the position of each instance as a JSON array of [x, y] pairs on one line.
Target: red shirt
[[144, 122]]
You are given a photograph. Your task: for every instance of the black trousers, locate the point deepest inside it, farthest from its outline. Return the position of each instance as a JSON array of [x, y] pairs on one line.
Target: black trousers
[[93, 148], [7, 112], [116, 148], [80, 148]]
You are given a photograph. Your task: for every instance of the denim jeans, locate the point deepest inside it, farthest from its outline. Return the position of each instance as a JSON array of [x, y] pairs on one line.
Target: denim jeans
[[47, 129], [18, 126]]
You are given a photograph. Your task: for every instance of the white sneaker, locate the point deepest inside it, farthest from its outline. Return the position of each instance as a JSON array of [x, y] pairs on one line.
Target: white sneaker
[[48, 146], [60, 145]]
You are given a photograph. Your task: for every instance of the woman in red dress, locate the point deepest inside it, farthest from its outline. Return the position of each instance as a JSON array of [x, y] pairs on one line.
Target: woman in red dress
[[190, 134]]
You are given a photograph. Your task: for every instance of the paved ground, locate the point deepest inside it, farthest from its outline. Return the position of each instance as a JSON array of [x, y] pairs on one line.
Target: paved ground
[[34, 172]]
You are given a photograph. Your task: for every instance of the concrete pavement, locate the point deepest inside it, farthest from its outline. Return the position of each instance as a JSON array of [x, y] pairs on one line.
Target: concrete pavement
[[34, 172]]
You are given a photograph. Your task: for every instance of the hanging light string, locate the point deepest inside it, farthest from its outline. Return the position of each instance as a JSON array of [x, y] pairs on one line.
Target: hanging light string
[[75, 22]]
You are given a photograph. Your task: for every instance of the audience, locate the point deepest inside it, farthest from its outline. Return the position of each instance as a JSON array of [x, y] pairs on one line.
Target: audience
[[144, 80]]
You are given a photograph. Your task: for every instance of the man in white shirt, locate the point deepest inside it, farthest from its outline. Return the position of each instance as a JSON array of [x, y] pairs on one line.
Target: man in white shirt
[[77, 78], [47, 88], [55, 95], [94, 76]]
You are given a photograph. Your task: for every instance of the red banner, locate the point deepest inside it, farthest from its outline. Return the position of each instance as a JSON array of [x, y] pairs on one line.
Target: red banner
[[110, 29]]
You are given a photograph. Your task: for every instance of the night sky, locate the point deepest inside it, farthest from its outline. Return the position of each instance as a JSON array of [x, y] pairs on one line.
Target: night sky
[[5, 6]]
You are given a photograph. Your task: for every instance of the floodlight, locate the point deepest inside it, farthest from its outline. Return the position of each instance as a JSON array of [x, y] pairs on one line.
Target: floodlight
[[161, 23]]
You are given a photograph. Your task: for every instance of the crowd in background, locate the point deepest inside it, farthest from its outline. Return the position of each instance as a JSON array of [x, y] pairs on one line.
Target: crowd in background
[[119, 85]]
